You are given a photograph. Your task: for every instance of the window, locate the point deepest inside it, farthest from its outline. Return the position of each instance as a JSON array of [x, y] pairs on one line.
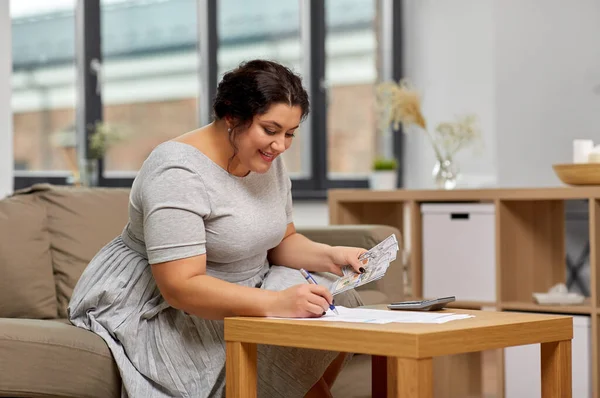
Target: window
[[43, 85], [157, 63], [267, 29], [351, 75], [149, 76]]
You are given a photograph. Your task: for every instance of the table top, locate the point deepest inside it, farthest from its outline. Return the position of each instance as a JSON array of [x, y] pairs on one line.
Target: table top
[[487, 330]]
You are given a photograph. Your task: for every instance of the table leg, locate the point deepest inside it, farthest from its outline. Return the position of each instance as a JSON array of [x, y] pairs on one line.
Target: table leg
[[409, 378], [378, 376], [556, 369], [240, 370]]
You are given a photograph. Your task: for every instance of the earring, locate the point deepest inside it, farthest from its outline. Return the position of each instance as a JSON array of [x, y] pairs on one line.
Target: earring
[[229, 130]]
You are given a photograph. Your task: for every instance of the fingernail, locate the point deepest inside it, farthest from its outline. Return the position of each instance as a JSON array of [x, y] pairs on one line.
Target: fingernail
[[324, 313], [361, 269]]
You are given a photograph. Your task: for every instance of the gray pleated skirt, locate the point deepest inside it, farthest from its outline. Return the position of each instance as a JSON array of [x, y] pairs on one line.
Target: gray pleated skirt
[[163, 352]]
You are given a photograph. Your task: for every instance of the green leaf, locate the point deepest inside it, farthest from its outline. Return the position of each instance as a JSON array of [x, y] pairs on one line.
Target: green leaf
[[385, 164]]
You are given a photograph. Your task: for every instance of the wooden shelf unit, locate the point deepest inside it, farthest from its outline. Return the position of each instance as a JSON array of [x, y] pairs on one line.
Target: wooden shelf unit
[[530, 243]]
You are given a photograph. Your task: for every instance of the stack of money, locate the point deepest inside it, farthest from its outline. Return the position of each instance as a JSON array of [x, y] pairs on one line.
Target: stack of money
[[375, 262]]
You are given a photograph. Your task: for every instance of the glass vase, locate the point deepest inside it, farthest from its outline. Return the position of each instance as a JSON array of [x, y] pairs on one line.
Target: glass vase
[[88, 173], [445, 173]]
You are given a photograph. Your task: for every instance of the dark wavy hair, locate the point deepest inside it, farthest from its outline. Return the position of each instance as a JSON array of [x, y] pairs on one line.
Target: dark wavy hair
[[251, 89]]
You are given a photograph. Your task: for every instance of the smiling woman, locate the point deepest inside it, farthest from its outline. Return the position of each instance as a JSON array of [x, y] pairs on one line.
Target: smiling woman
[[266, 102], [210, 235]]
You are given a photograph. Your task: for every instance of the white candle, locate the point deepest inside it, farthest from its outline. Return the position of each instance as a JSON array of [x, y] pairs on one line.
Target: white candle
[[581, 150], [594, 155]]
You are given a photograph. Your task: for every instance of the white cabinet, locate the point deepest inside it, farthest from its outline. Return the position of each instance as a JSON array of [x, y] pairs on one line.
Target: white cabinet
[[459, 251], [522, 376]]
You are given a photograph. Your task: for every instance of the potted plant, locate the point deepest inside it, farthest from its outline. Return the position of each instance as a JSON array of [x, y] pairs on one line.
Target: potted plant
[[384, 175], [102, 136]]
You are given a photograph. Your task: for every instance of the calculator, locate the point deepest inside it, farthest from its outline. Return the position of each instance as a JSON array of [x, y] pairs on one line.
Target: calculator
[[422, 305]]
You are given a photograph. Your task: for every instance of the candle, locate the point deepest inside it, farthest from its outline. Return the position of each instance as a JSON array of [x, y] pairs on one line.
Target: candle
[[581, 150], [594, 155]]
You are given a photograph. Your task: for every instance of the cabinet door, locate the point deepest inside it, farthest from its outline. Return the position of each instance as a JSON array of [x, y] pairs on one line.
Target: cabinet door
[[459, 251]]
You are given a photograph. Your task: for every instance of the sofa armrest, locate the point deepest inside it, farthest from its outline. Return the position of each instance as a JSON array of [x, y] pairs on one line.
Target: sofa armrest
[[387, 289]]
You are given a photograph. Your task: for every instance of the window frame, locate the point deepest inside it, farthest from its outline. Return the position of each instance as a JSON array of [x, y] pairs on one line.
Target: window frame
[[313, 30]]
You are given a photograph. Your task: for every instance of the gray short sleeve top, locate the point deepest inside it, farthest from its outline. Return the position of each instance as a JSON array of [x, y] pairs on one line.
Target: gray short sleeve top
[[183, 204]]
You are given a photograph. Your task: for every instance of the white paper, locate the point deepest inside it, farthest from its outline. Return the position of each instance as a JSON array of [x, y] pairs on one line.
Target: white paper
[[364, 315]]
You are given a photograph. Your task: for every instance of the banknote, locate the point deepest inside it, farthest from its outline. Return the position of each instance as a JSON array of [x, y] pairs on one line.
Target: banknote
[[387, 246], [375, 262]]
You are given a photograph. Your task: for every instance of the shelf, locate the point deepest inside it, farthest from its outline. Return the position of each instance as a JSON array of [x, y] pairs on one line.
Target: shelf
[[530, 248], [476, 195], [584, 308]]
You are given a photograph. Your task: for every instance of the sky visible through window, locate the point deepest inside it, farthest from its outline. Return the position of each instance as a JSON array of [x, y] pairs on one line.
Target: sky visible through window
[[27, 8]]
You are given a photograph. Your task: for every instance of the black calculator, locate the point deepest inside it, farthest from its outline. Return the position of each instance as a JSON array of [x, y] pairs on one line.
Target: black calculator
[[422, 305]]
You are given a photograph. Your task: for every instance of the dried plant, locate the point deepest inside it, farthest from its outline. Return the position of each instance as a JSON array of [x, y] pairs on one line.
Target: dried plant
[[401, 104], [451, 137], [102, 137], [398, 103]]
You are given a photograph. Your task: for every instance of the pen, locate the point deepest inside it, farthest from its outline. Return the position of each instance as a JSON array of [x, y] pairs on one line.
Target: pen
[[312, 281]]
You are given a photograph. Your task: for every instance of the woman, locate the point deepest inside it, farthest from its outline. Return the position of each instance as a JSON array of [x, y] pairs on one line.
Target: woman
[[210, 212]]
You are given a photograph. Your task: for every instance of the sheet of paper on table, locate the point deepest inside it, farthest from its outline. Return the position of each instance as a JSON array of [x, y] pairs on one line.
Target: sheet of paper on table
[[365, 315]]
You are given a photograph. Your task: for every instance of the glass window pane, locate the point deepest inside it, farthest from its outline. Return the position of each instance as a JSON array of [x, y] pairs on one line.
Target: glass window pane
[[351, 74], [43, 84], [150, 77], [268, 29]]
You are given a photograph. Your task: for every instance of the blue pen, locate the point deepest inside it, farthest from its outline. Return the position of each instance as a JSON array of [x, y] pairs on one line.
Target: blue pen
[[312, 281]]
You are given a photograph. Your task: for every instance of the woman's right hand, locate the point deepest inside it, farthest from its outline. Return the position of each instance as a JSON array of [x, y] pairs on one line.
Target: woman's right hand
[[303, 301]]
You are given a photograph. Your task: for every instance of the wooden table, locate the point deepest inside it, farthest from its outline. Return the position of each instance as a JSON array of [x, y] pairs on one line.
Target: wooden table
[[406, 350]]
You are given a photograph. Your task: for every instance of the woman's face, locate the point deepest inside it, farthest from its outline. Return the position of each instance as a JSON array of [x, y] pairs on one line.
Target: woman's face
[[269, 135]]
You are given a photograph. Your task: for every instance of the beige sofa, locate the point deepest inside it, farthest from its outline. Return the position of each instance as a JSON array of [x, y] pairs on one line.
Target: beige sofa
[[48, 234]]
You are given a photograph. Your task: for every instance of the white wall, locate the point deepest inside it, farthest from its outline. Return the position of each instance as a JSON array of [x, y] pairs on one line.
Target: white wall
[[449, 58], [529, 68], [548, 64], [6, 133]]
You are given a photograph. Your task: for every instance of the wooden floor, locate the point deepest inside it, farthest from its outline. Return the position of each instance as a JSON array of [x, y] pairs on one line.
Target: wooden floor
[[362, 389]]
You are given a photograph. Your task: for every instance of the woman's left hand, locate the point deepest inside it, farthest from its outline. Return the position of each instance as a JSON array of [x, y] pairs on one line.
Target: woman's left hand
[[342, 255]]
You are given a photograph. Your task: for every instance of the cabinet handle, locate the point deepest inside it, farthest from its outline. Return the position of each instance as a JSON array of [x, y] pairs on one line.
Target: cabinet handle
[[459, 216]]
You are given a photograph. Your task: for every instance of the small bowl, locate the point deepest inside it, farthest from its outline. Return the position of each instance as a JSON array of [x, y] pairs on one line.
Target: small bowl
[[578, 173]]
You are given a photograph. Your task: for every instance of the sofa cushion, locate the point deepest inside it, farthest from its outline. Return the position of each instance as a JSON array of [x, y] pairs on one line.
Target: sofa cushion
[[26, 281], [81, 221], [43, 358]]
